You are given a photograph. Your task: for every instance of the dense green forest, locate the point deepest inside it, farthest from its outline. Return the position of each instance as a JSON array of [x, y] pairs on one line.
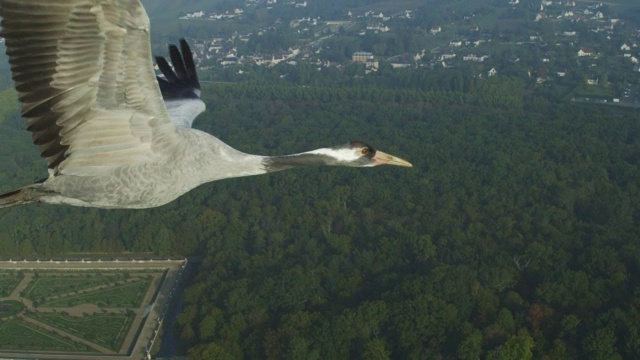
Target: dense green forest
[[514, 236]]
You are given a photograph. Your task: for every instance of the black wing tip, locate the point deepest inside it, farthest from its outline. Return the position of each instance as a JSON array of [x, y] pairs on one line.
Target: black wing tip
[[181, 79], [189, 63], [184, 46], [181, 59]]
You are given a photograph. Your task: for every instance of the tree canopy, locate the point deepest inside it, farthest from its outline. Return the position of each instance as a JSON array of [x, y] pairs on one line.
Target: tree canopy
[[514, 235]]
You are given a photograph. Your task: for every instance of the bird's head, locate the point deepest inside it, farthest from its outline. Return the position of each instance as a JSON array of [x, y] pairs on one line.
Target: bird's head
[[359, 154]]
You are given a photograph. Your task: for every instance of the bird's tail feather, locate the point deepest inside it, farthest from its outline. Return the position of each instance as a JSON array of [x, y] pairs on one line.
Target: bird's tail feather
[[17, 197]]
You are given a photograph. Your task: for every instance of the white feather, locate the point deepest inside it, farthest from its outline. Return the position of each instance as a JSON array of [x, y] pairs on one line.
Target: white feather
[[342, 155], [183, 112]]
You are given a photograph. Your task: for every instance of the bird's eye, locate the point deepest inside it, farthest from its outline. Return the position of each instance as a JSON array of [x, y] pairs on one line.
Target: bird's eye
[[364, 151]]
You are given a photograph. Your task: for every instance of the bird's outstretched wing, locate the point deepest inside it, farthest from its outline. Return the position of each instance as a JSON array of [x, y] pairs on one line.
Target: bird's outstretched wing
[[84, 75], [180, 86]]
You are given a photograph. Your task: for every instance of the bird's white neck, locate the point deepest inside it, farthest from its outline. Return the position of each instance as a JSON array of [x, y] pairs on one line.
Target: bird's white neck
[[318, 157]]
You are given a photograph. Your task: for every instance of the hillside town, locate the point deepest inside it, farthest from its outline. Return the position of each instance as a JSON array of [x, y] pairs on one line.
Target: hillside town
[[554, 41]]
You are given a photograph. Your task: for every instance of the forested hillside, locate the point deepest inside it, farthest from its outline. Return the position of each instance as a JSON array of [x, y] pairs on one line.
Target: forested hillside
[[513, 237]]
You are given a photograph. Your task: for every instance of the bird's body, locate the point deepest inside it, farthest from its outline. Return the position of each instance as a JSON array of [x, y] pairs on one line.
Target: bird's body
[[113, 135], [194, 159]]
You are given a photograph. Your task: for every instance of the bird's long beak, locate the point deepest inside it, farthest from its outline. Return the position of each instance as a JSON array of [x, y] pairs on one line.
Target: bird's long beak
[[382, 158]]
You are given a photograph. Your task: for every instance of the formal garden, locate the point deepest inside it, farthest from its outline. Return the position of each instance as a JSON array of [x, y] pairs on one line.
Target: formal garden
[[87, 311]]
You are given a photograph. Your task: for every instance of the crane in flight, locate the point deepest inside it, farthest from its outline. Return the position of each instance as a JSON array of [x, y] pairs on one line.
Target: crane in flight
[[113, 134]]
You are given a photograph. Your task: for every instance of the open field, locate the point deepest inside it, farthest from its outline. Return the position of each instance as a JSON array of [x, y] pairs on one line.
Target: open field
[[80, 310]]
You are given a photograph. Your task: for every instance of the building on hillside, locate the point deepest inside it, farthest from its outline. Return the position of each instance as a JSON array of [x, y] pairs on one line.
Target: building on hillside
[[585, 52], [474, 57], [378, 27], [362, 56]]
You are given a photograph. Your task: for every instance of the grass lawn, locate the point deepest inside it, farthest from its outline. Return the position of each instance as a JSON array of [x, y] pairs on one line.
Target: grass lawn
[[7, 284], [108, 330], [10, 308], [47, 286], [593, 91], [129, 295], [17, 334]]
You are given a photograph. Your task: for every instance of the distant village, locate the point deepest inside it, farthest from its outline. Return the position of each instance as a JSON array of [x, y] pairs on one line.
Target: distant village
[[586, 33], [223, 51], [571, 20]]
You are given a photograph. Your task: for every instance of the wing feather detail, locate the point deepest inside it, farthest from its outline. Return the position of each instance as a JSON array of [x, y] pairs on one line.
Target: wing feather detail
[[84, 75]]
